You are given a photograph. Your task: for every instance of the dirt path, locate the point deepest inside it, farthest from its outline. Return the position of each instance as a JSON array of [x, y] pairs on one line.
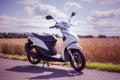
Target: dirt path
[[23, 70]]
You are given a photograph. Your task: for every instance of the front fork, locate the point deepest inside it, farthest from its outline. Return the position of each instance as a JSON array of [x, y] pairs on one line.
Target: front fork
[[73, 45], [70, 53]]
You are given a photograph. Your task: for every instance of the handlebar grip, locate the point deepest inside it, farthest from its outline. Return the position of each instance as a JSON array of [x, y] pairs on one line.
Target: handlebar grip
[[51, 27], [54, 27]]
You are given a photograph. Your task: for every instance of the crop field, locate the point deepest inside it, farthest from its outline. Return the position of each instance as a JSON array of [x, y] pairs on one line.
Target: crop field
[[105, 50], [101, 49]]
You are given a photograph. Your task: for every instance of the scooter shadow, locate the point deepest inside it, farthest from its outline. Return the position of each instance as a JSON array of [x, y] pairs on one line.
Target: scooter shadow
[[47, 72]]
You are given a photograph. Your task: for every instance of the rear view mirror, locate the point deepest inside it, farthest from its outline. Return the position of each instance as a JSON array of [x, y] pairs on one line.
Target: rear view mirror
[[48, 17], [73, 14]]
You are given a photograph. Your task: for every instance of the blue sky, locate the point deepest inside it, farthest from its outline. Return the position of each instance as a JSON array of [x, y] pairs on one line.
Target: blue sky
[[93, 17]]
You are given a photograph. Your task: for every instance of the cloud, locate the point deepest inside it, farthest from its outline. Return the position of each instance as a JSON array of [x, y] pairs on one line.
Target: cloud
[[28, 10], [105, 22], [72, 6], [28, 2], [108, 28], [43, 10], [34, 24], [101, 22], [14, 24], [104, 1], [98, 15]]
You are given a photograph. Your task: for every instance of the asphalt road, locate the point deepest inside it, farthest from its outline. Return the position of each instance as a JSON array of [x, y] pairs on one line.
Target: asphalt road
[[23, 70]]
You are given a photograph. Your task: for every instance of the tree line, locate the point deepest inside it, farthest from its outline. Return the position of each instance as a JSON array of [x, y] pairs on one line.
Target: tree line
[[12, 35], [23, 35], [99, 36]]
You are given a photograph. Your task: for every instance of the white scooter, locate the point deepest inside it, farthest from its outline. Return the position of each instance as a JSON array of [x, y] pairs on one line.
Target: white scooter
[[42, 47]]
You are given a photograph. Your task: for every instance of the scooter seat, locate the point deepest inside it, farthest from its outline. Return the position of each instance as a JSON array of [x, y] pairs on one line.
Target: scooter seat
[[45, 37]]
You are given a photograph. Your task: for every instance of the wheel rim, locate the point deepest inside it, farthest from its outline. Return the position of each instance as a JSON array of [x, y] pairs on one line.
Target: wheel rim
[[77, 60], [35, 59], [34, 50]]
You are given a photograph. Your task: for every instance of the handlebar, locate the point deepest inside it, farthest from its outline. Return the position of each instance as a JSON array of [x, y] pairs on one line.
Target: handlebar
[[54, 27]]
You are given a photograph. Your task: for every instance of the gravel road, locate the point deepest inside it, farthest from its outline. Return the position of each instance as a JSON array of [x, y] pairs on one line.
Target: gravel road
[[23, 70]]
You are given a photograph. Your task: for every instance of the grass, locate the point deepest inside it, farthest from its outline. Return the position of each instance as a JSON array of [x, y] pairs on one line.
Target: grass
[[15, 57], [94, 65], [104, 66]]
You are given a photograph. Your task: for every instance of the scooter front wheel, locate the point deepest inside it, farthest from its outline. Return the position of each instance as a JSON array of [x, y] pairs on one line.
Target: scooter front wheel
[[78, 60]]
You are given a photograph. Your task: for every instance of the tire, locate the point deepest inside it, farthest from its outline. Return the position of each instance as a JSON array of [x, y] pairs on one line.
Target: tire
[[79, 60], [31, 59]]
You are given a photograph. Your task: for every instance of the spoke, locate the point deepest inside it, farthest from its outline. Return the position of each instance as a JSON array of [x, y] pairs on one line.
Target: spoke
[[78, 65], [33, 59]]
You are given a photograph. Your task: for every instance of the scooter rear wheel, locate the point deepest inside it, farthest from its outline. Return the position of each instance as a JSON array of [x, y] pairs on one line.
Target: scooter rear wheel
[[31, 59], [79, 60]]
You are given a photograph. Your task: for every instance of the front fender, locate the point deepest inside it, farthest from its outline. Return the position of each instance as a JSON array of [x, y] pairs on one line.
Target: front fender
[[74, 46]]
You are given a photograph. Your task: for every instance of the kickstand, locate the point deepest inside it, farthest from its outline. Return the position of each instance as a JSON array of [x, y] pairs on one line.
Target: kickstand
[[45, 62]]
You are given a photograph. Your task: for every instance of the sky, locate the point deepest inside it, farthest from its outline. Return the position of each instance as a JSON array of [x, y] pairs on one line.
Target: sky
[[93, 17]]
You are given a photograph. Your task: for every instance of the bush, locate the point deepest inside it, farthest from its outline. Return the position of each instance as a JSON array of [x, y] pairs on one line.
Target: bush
[[18, 49], [5, 48], [12, 49]]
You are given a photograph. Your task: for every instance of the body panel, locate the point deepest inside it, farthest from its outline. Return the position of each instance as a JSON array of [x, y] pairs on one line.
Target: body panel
[[38, 42]]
